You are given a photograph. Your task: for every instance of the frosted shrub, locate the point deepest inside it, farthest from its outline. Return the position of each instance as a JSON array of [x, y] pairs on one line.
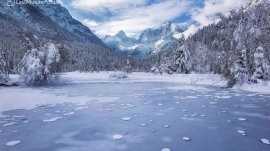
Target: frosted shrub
[[38, 65]]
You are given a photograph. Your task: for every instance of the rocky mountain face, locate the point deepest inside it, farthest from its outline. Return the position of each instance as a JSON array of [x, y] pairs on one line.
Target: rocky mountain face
[[27, 26], [151, 41]]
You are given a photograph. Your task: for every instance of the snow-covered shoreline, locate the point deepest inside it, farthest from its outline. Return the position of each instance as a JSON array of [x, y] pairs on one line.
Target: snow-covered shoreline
[[200, 79], [194, 79]]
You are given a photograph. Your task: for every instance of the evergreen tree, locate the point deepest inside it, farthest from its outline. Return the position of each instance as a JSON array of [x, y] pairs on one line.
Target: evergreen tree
[[261, 68], [182, 56], [3, 76], [239, 71]]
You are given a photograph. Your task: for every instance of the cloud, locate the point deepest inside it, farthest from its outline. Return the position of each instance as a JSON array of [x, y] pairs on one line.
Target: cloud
[[90, 23], [107, 17], [208, 14], [192, 29], [131, 16], [98, 6]]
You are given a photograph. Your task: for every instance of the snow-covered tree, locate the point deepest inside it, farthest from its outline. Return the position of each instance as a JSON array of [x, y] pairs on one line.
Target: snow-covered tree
[[3, 77], [261, 68], [182, 56], [39, 64], [239, 71]]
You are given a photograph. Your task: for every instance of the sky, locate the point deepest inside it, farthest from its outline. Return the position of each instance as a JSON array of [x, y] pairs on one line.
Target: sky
[[108, 17]]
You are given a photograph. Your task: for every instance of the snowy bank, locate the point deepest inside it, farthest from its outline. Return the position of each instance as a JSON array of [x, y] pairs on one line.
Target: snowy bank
[[201, 79], [261, 87]]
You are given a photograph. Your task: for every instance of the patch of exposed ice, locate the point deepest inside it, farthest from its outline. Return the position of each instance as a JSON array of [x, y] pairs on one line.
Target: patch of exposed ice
[[143, 124], [13, 143], [53, 119]]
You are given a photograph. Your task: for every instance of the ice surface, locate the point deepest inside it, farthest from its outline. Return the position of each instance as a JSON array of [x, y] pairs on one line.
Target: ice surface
[[53, 119], [96, 126], [13, 143]]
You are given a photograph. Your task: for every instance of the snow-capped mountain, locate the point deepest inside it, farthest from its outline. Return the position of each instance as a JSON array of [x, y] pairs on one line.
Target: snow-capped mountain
[[27, 26], [51, 20], [120, 42], [150, 41]]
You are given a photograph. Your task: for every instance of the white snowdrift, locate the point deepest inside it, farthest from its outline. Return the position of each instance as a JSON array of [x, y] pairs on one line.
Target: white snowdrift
[[201, 79]]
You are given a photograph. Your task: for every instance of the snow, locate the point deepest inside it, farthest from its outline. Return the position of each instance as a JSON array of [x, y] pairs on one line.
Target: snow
[[126, 118], [118, 75], [81, 108], [35, 97], [199, 79], [53, 119], [186, 139], [242, 119], [265, 141], [70, 113], [165, 149], [262, 87], [9, 124], [13, 143], [117, 136], [242, 132], [166, 126]]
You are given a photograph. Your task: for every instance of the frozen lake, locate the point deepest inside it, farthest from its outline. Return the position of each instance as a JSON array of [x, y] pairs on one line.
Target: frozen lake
[[136, 117]]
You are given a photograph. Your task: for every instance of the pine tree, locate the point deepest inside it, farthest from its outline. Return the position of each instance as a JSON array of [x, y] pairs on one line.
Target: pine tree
[[3, 76], [239, 71], [38, 65], [261, 68], [182, 56]]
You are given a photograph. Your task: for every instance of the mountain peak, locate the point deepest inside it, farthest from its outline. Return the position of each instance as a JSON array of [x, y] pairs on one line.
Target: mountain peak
[[121, 34]]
